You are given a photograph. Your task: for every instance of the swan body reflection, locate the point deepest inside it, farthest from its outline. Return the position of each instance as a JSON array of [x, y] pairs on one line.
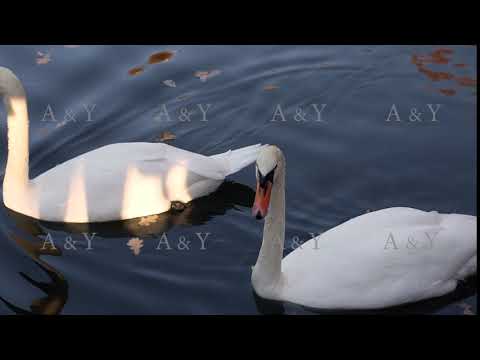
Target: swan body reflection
[[228, 196]]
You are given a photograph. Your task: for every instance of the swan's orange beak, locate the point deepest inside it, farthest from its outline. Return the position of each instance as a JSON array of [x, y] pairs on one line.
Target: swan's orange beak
[[262, 200]]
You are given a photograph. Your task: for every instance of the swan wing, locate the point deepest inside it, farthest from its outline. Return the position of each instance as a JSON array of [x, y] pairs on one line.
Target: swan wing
[[122, 181], [382, 258], [204, 166]]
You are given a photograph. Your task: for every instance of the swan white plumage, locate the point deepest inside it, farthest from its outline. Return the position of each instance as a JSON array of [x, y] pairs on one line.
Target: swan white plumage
[[115, 182], [380, 259]]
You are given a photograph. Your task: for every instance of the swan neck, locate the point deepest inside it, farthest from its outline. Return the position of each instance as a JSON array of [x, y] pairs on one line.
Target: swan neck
[[269, 262], [16, 173]]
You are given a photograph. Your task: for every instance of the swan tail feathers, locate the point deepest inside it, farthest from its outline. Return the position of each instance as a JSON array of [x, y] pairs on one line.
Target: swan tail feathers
[[236, 160], [469, 269], [464, 232]]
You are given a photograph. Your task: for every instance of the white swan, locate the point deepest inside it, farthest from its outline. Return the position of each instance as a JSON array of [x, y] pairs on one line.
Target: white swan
[[379, 259], [115, 182]]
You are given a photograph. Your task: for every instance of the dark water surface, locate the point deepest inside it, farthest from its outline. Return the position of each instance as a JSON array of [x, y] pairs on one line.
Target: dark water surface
[[353, 159]]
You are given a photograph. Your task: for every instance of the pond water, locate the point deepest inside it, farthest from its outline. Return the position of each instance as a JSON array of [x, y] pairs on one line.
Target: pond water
[[362, 128]]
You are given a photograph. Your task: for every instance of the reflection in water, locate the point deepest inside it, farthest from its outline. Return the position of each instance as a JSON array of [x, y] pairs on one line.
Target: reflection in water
[[228, 196], [465, 289], [56, 290], [268, 307]]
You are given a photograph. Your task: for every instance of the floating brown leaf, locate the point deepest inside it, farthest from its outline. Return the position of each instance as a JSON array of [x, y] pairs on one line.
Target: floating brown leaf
[[448, 92], [166, 135], [418, 60], [135, 244], [270, 87], [466, 81], [135, 71], [440, 56], [160, 57], [435, 75]]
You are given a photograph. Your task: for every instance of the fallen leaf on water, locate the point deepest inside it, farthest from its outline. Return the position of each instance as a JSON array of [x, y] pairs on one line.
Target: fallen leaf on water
[[440, 56], [166, 135], [160, 57], [170, 83], [270, 87], [43, 58], [466, 81], [147, 220], [448, 92], [135, 71], [435, 75], [205, 75], [418, 60], [135, 244]]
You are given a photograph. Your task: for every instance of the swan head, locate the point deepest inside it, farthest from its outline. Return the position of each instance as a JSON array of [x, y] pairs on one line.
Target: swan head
[[10, 87], [269, 165]]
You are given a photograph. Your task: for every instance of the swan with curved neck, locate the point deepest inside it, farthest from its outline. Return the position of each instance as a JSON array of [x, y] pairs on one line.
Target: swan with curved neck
[[362, 263], [16, 183], [114, 182]]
